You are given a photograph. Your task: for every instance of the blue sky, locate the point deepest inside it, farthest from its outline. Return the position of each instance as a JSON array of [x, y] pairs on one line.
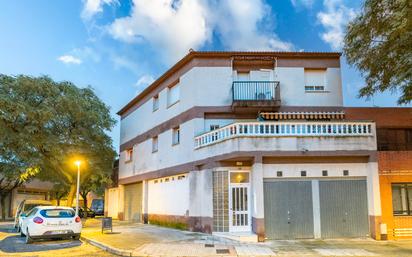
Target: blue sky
[[119, 46]]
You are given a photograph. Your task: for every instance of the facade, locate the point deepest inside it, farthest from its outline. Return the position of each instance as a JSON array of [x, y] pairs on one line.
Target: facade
[[250, 143]]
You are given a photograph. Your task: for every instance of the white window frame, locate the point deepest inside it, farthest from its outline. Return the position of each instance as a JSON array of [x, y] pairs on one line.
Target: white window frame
[[155, 144], [129, 155], [155, 100], [315, 88], [173, 94], [176, 136]]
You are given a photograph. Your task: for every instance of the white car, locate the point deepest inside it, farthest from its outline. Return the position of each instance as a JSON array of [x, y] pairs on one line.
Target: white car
[[44, 222]]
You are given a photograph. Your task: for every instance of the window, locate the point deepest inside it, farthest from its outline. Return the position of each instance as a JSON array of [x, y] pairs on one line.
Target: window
[[239, 177], [402, 199], [57, 213], [173, 94], [303, 173], [315, 80], [155, 102], [243, 76], [155, 142], [129, 155], [346, 173], [176, 136], [214, 127], [324, 173], [279, 173]]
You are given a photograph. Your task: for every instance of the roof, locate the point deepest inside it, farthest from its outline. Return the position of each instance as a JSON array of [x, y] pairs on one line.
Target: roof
[[221, 54]]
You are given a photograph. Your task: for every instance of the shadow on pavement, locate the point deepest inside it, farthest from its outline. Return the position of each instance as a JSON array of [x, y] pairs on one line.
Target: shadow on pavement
[[16, 244]]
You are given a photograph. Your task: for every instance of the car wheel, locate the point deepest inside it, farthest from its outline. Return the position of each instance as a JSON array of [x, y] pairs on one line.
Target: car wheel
[[21, 233], [18, 229], [29, 240]]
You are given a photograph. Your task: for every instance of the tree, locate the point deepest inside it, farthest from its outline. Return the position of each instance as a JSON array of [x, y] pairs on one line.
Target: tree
[[56, 122], [93, 183], [60, 190], [379, 43]]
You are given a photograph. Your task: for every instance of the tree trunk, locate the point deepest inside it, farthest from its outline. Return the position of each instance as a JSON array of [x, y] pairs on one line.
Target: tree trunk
[[58, 201], [71, 195], [3, 206], [85, 202]]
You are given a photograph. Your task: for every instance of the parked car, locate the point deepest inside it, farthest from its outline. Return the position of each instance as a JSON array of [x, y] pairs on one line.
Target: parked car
[[44, 222], [98, 207], [85, 212], [24, 207]]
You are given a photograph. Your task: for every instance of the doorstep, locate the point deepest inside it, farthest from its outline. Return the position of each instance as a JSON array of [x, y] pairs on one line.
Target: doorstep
[[247, 237]]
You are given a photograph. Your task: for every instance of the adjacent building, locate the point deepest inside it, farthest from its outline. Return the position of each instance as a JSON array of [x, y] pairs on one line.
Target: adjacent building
[[250, 143]]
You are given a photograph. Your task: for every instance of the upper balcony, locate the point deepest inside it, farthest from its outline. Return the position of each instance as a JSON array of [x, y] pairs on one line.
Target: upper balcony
[[261, 94]]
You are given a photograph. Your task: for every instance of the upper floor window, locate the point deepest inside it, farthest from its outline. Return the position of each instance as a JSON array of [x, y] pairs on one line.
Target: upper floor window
[[402, 199], [243, 76], [315, 80], [155, 102], [129, 155], [176, 136], [173, 94], [214, 127], [155, 144]]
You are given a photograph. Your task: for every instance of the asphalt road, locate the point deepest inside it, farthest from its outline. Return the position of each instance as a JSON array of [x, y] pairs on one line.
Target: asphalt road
[[14, 245]]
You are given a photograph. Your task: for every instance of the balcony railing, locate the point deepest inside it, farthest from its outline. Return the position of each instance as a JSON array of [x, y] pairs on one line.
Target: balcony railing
[[284, 129], [255, 90]]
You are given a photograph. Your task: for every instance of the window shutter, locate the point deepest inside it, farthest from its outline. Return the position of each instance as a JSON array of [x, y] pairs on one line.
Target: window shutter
[[315, 78]]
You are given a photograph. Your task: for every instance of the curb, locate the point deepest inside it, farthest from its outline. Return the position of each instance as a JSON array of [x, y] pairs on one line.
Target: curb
[[106, 247]]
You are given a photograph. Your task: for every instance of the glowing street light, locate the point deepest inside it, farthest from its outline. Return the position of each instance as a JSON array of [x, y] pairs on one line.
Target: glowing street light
[[78, 186]]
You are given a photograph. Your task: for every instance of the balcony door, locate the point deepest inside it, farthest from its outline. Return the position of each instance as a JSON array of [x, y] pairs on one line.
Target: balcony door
[[239, 202]]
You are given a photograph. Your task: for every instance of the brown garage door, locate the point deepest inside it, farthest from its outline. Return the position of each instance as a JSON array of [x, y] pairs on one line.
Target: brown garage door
[[133, 202]]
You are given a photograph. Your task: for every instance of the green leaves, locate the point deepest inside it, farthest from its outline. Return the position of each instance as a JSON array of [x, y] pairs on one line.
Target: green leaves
[[379, 43]]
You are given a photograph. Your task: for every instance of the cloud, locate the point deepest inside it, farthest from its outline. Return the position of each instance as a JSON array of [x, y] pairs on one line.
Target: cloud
[[92, 7], [143, 82], [69, 59], [302, 3], [124, 62], [334, 19], [172, 27]]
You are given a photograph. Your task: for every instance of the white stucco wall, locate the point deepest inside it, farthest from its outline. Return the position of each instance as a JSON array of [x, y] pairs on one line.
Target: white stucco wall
[[169, 198]]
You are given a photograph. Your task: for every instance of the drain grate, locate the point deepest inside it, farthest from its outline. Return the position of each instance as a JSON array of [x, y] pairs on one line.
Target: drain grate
[[222, 251], [209, 245]]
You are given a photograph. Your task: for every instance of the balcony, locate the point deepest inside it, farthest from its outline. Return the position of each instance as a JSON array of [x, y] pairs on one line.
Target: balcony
[[261, 94], [285, 129]]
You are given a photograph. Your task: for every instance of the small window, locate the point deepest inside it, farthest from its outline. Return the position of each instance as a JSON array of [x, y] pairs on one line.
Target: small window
[[303, 173], [214, 127], [167, 179], [155, 142], [324, 173], [239, 177], [155, 182], [155, 102], [181, 177], [176, 136], [315, 80], [345, 172], [129, 155], [402, 199], [173, 94], [279, 174]]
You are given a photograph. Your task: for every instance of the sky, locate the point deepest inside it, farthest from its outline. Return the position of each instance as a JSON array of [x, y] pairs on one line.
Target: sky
[[120, 46]]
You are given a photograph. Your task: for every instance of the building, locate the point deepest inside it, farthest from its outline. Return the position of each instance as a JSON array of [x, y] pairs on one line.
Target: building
[[394, 142], [243, 143]]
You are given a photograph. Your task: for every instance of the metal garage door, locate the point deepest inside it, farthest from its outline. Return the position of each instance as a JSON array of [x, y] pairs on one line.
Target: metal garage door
[[343, 208], [288, 209], [133, 202]]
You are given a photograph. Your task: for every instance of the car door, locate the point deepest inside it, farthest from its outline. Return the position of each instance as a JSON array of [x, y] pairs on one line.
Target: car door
[[27, 219]]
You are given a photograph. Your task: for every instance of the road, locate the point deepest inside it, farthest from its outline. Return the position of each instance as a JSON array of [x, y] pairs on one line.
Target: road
[[12, 244]]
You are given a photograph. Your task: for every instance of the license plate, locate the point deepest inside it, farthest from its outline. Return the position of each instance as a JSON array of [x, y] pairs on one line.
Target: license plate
[[58, 224], [57, 232]]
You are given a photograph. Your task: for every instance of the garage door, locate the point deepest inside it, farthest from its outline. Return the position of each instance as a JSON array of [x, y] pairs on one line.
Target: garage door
[[288, 209], [133, 202], [343, 208]]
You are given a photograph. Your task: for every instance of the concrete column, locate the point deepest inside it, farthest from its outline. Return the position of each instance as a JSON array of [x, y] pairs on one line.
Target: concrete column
[[201, 201], [374, 200], [258, 212], [120, 214], [145, 200], [106, 201], [316, 209]]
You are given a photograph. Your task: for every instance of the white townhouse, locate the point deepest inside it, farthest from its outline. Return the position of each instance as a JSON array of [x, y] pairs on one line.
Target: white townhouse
[[249, 144]]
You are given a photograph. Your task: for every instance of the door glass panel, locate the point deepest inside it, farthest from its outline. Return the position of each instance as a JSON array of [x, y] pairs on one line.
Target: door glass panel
[[239, 177]]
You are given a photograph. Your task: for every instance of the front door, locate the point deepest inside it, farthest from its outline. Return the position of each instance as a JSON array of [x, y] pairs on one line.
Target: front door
[[239, 202]]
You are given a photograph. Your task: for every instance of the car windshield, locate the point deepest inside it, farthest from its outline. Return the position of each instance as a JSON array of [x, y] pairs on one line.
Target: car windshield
[[57, 213], [97, 204]]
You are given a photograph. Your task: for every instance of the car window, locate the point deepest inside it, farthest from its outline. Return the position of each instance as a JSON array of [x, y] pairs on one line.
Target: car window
[[57, 213], [32, 212]]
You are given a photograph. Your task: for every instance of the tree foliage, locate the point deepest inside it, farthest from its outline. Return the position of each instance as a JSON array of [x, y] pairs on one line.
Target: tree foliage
[[379, 43], [48, 124]]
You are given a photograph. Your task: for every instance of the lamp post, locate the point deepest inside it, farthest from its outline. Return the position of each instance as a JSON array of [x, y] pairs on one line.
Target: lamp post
[[78, 186]]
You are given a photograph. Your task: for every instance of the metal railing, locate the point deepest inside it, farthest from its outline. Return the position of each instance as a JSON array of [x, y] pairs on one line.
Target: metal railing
[[282, 129], [255, 90]]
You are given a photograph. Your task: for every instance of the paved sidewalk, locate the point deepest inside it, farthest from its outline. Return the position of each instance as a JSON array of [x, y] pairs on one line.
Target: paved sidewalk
[[148, 240]]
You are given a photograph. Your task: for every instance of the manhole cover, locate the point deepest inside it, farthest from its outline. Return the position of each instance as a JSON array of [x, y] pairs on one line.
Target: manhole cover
[[222, 251], [209, 245]]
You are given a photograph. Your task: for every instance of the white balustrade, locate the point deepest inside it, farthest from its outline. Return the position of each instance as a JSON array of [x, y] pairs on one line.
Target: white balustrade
[[284, 129]]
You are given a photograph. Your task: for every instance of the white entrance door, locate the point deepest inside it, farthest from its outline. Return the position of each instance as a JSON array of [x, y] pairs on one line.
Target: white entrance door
[[239, 203]]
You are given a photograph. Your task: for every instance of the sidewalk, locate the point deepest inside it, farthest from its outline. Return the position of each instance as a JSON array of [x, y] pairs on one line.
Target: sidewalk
[[148, 240]]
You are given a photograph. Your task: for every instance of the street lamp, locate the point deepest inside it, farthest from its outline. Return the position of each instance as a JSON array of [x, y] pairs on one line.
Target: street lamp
[[78, 186]]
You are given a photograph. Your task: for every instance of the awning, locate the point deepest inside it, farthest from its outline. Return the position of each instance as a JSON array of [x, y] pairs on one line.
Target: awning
[[302, 115]]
